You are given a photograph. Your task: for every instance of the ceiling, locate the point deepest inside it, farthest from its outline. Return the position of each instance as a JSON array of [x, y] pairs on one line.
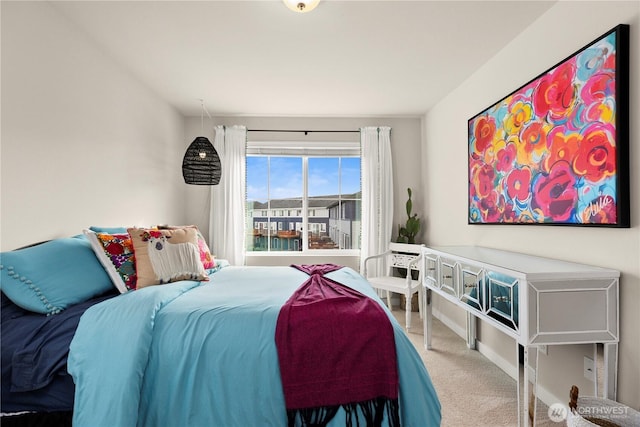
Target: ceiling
[[343, 59]]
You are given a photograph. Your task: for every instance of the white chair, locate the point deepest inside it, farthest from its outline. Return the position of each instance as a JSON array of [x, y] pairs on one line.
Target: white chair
[[405, 257]]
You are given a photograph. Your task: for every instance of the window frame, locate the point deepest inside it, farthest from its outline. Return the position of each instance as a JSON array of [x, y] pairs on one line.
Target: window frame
[[332, 149]]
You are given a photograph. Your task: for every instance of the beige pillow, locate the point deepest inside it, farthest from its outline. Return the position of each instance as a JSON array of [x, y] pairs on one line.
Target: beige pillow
[[164, 256], [206, 257]]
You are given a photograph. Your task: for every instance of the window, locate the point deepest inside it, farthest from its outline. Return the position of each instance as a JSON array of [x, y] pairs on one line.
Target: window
[[322, 183]]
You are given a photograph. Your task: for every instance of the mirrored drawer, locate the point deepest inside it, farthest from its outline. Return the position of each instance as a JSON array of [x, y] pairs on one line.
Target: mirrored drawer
[[471, 278], [430, 268], [447, 276], [502, 298]]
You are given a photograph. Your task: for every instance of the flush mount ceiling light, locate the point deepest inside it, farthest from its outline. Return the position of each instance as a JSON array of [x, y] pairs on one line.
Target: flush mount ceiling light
[[301, 6]]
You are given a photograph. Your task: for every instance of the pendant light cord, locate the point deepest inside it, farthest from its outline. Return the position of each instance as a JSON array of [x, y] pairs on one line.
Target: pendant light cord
[[202, 116], [204, 110]]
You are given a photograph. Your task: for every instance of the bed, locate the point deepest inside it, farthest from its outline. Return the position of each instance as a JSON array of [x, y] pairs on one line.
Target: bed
[[195, 353]]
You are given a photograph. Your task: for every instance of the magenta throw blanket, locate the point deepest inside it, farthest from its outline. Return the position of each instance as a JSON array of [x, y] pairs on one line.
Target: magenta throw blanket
[[336, 349]]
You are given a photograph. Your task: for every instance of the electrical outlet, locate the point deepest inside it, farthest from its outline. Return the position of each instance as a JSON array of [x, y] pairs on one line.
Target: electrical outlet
[[589, 369]]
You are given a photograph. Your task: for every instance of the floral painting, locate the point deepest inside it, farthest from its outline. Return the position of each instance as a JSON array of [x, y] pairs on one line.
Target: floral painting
[[551, 151]]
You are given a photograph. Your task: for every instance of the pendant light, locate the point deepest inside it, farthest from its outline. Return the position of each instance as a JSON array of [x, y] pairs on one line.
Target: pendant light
[[301, 6], [201, 163]]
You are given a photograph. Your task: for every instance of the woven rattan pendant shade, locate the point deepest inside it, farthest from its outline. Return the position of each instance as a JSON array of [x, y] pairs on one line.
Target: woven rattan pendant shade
[[201, 164]]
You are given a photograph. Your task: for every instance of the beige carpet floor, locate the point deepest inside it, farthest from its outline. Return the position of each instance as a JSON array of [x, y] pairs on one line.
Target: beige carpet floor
[[472, 390]]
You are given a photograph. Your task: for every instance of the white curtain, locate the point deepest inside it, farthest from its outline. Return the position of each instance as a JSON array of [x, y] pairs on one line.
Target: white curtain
[[377, 193], [227, 213]]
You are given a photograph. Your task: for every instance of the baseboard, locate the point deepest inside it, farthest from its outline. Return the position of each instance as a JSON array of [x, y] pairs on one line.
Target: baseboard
[[506, 365], [509, 368], [548, 398], [502, 363], [449, 323]]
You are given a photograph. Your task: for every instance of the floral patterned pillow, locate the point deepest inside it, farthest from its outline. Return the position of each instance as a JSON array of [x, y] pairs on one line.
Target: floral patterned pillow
[[115, 253]]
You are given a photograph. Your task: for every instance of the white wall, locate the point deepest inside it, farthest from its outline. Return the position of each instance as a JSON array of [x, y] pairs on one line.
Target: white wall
[[83, 142], [406, 136], [565, 28]]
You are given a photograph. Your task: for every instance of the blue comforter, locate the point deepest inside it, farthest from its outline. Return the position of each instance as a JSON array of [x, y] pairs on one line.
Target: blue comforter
[[203, 354]]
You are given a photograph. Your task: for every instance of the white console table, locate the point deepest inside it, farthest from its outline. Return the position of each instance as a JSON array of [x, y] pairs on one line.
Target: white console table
[[536, 301]]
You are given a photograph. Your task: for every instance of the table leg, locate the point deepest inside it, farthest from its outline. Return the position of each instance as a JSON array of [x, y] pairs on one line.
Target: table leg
[[523, 407], [611, 370], [471, 331], [535, 386], [428, 317]]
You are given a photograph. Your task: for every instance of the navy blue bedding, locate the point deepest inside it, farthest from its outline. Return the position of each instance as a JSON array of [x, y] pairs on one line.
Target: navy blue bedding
[[34, 356]]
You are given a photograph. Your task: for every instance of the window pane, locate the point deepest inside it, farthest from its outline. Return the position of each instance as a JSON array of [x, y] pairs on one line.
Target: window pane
[[344, 224], [285, 178], [324, 176], [274, 192], [349, 227], [319, 235], [257, 203], [350, 175], [286, 195], [287, 240], [258, 179], [257, 238]]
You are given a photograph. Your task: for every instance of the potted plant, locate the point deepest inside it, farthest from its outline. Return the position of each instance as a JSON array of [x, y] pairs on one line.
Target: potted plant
[[407, 234]]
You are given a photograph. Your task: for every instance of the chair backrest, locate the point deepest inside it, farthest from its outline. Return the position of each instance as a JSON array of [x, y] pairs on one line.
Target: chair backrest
[[402, 254]]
